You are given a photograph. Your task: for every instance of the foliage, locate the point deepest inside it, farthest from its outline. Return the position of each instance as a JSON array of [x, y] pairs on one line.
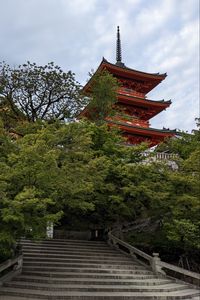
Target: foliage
[[39, 92], [9, 118], [103, 95], [172, 201], [82, 172], [184, 226], [73, 168], [183, 145]]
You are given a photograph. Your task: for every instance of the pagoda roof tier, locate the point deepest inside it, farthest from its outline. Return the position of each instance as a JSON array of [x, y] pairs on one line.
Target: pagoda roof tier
[[145, 81], [144, 131], [152, 107]]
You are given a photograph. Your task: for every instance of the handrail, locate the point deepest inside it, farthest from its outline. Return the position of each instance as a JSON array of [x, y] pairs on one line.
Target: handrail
[[132, 249], [12, 261], [179, 270], [154, 261]]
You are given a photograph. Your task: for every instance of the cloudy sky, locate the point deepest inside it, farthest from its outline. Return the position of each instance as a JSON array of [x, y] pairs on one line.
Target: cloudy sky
[[157, 36]]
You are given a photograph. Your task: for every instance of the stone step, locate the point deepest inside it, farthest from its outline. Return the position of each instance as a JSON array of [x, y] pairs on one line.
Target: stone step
[[92, 281], [65, 246], [193, 298], [89, 251], [85, 264], [68, 252], [72, 257], [91, 260], [96, 288], [37, 294], [85, 270], [77, 270], [62, 275], [80, 266], [63, 241], [117, 256]]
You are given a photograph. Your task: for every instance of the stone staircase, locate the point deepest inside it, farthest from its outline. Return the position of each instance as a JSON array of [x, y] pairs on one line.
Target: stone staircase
[[85, 270]]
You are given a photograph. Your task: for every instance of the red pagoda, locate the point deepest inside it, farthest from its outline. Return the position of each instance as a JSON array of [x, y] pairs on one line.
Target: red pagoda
[[132, 101]]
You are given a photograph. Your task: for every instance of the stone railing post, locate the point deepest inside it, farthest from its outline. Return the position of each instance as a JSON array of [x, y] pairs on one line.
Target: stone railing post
[[155, 264], [112, 242], [132, 254], [49, 230], [19, 264]]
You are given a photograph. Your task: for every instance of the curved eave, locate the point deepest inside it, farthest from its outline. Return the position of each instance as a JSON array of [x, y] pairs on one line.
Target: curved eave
[[153, 107], [154, 78], [143, 131], [132, 100]]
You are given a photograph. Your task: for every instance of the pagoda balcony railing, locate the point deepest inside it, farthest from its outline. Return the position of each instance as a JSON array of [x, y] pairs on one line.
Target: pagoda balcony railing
[[166, 156], [161, 155], [130, 120], [130, 92]]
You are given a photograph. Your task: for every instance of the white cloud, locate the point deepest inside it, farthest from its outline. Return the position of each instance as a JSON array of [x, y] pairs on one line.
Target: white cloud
[[152, 18], [78, 7], [157, 36]]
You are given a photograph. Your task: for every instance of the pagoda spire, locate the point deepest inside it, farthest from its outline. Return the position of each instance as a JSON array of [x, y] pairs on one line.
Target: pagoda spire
[[119, 50]]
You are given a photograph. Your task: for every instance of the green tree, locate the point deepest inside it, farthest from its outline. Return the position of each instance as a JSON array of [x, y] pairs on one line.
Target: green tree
[[103, 95], [183, 145], [183, 226], [40, 92], [10, 119], [84, 172], [75, 169], [171, 200]]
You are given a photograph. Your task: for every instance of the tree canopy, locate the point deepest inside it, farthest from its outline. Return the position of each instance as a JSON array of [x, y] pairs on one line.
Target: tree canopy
[[82, 170], [102, 95], [171, 200], [58, 168], [40, 92]]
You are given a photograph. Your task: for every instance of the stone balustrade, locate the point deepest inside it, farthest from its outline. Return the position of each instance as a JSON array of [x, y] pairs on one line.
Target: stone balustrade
[[15, 263], [154, 262]]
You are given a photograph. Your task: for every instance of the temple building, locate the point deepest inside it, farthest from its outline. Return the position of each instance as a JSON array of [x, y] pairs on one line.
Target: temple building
[[133, 109]]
